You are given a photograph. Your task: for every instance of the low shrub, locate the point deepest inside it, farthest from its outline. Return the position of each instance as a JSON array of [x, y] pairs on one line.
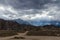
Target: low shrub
[[4, 33], [42, 33], [19, 38]]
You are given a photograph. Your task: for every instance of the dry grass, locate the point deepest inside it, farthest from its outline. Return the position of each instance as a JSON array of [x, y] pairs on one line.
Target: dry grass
[[4, 33], [43, 33]]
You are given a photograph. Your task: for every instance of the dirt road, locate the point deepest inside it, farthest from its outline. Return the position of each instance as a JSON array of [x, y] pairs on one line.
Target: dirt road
[[19, 34], [30, 37]]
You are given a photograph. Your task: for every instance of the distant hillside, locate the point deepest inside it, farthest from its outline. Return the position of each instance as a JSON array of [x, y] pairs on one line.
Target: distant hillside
[[38, 22], [13, 25], [46, 30], [44, 22], [20, 21]]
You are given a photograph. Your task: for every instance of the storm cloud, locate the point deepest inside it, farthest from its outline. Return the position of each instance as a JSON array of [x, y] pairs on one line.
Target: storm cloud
[[30, 9]]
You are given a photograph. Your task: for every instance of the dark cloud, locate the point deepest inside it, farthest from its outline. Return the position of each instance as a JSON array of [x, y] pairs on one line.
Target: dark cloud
[[30, 9], [31, 4], [27, 4]]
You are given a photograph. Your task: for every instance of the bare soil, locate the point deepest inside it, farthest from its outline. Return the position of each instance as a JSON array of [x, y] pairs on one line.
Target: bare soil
[[30, 37]]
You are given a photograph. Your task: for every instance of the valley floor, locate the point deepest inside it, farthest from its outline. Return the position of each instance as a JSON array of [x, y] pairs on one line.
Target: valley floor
[[30, 37], [34, 38]]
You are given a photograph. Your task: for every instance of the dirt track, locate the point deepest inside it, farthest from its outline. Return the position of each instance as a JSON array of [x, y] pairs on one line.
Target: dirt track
[[30, 37], [19, 34]]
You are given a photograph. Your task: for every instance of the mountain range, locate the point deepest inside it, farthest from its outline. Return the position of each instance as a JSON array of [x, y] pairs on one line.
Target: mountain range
[[24, 25], [35, 22], [38, 23]]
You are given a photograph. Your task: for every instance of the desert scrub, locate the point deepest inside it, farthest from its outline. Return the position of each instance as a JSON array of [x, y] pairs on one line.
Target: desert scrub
[[42, 33], [18, 38], [4, 33]]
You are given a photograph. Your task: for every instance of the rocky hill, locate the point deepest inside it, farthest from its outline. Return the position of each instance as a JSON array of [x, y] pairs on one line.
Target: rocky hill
[[13, 25]]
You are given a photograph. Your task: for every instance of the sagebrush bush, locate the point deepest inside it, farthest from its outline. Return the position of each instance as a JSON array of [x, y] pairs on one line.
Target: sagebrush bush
[[43, 33], [4, 33], [19, 38]]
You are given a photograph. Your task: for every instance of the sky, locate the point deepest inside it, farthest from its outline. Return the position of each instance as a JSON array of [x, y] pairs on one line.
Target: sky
[[30, 9]]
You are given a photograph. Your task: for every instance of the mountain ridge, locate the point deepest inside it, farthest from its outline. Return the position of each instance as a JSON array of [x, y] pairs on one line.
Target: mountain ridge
[[34, 23], [38, 23]]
